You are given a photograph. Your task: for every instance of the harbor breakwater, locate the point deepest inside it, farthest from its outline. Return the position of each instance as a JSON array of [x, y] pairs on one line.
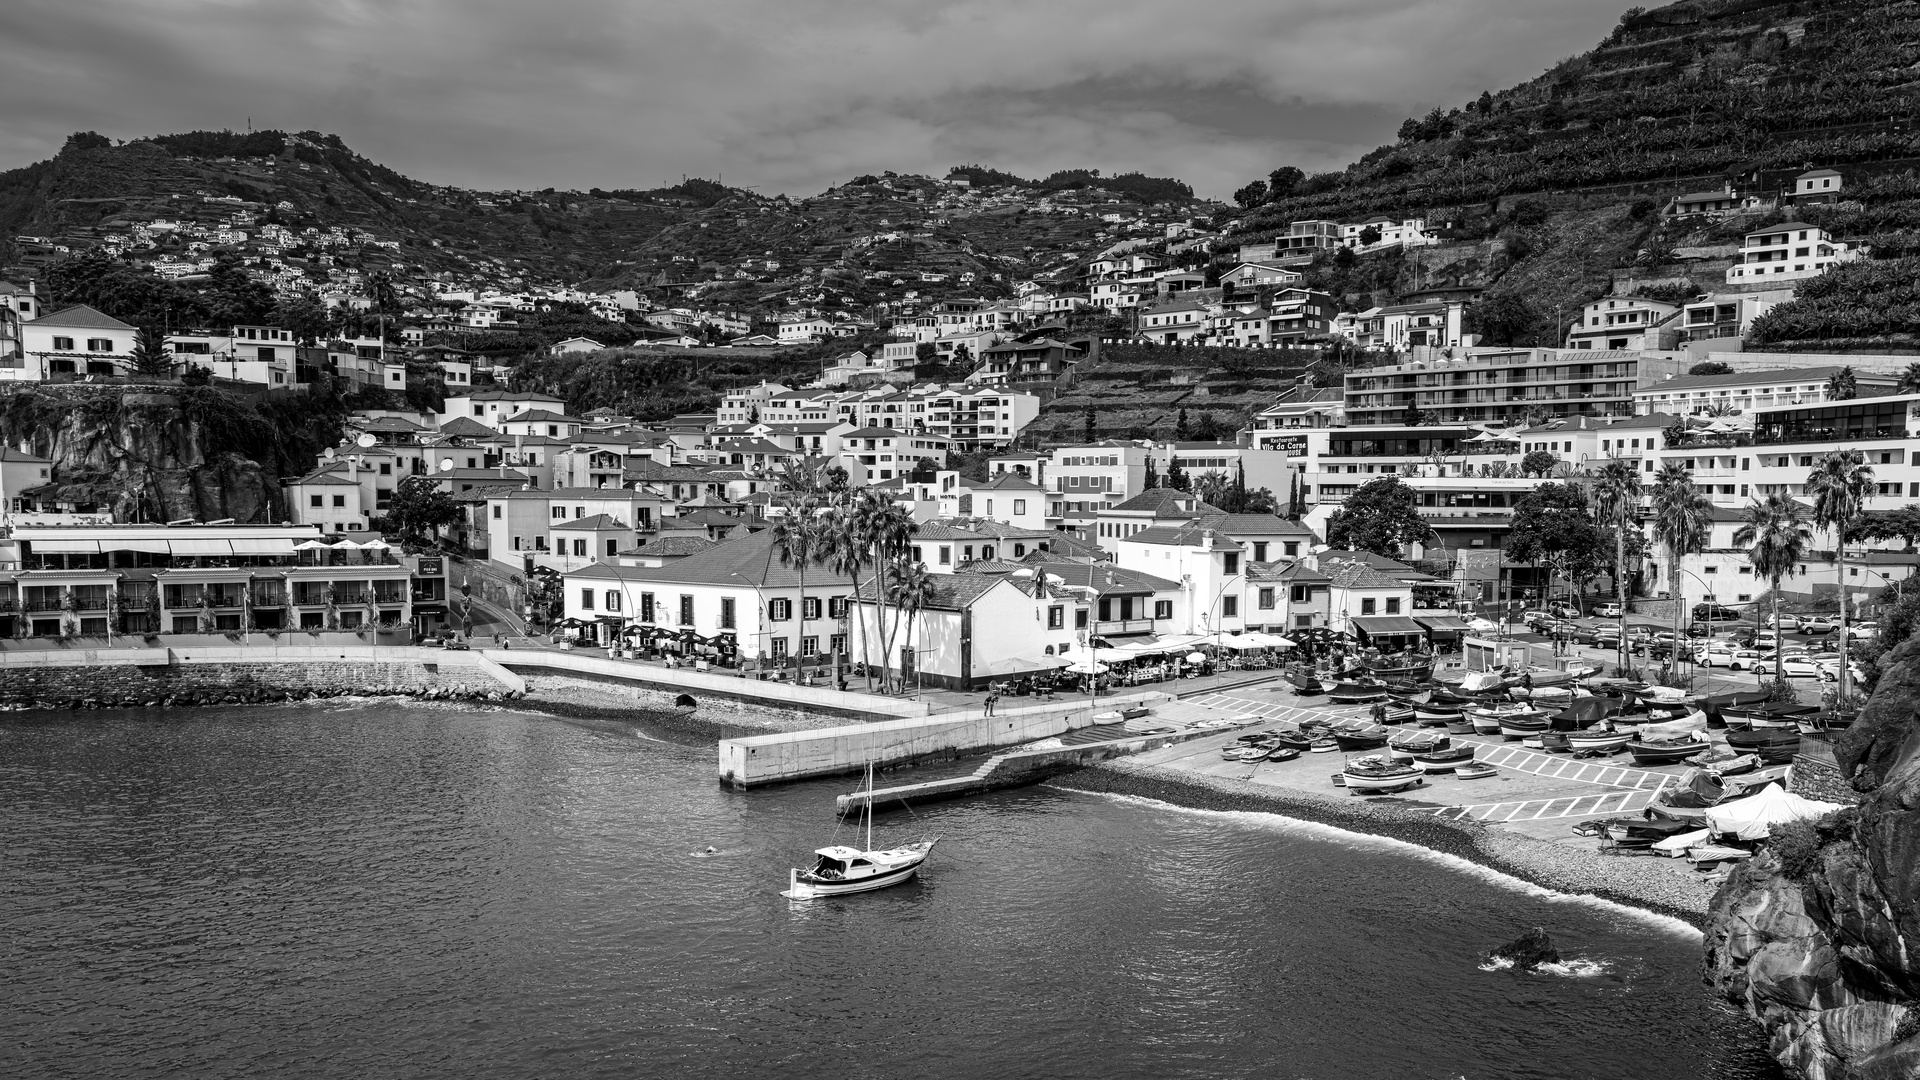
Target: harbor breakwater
[[1550, 866], [158, 678]]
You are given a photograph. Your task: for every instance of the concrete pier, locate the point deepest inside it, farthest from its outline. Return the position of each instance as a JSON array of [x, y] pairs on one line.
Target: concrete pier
[[796, 755]]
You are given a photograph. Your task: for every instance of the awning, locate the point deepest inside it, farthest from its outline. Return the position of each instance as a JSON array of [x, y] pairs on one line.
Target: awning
[[1385, 625], [200, 547], [65, 547], [1442, 624], [151, 547], [262, 545]]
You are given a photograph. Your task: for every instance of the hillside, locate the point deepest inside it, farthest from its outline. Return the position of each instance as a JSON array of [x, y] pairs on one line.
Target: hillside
[[1547, 194]]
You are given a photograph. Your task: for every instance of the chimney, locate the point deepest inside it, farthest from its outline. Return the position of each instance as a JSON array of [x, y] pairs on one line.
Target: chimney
[[1206, 539]]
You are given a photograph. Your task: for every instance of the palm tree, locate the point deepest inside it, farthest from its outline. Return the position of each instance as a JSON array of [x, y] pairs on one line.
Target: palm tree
[[840, 553], [1840, 484], [910, 588], [1841, 385], [884, 529], [797, 540], [1682, 522], [1909, 380], [1616, 499], [1775, 539]]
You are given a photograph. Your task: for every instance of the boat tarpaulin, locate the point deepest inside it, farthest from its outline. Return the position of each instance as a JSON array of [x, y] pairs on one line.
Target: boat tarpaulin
[[1675, 729], [1676, 845], [1477, 681], [1385, 625], [1751, 818]]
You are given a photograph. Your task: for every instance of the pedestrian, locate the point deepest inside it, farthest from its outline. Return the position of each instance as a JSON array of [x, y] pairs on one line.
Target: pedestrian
[[1526, 681], [1379, 712], [992, 697], [496, 641]]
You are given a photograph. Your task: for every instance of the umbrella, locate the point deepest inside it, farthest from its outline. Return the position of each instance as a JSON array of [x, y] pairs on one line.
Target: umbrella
[[1082, 667], [1196, 657], [1239, 642], [1022, 665]]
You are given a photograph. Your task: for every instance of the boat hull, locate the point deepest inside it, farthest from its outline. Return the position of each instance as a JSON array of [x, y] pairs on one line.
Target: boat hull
[[805, 886], [1396, 782], [1649, 754]]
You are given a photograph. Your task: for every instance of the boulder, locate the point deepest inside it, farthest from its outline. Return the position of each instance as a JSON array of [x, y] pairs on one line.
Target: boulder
[[1528, 951]]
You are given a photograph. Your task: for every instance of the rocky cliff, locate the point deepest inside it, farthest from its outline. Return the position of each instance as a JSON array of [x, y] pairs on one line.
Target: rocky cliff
[[187, 452], [1813, 937]]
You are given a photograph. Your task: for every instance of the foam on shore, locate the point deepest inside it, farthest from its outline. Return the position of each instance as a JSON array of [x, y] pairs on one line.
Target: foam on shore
[[1359, 841]]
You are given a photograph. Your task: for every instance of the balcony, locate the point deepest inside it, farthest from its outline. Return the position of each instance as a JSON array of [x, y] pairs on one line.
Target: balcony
[[1123, 626], [1491, 513]]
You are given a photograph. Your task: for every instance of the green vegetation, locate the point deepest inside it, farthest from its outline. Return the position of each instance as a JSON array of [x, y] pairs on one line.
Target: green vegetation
[[1134, 185], [653, 385], [1381, 517], [1856, 300]]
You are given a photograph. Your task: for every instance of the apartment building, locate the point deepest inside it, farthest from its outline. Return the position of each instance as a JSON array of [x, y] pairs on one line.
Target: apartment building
[[1745, 391], [73, 341], [1789, 251], [1725, 315], [1502, 386], [1624, 322]]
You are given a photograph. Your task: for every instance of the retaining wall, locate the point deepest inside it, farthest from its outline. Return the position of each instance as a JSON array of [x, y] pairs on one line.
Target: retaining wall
[[69, 677], [800, 701], [771, 759]]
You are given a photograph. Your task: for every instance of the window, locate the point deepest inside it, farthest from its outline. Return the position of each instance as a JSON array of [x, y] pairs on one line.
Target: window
[[1019, 507], [1291, 548], [586, 599], [1366, 606], [1260, 551], [810, 609], [1163, 609], [779, 610], [1266, 599], [315, 501], [580, 547], [646, 607], [498, 511], [1393, 605], [837, 644], [516, 543], [613, 600], [1232, 562], [1080, 618], [613, 547], [686, 609], [810, 646], [1229, 607], [946, 555], [1297, 594], [386, 468], [1056, 617], [777, 648], [339, 500], [63, 344], [837, 607]]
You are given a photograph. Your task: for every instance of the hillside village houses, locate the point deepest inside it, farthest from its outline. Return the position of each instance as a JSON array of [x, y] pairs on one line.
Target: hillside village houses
[[1789, 251]]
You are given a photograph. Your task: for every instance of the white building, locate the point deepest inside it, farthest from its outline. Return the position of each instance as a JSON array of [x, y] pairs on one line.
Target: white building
[[1624, 322], [76, 340], [1790, 251]]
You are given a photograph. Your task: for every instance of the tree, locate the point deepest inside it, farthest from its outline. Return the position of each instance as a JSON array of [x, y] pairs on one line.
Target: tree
[[1180, 427], [150, 355], [1538, 463], [1909, 380], [1177, 476], [1381, 517], [1410, 416], [1552, 527], [910, 589], [1369, 236], [1252, 195], [1284, 181], [1682, 522], [797, 541], [1616, 496], [419, 507], [1153, 474], [1091, 425], [1206, 428], [195, 375], [1840, 485], [1710, 367], [1775, 540], [1674, 434], [1841, 385]]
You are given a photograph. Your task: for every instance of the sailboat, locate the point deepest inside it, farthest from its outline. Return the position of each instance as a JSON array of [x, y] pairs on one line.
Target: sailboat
[[838, 870]]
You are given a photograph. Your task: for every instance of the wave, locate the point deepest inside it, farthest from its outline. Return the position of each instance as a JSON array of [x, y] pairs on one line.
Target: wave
[[1267, 819], [1573, 969]]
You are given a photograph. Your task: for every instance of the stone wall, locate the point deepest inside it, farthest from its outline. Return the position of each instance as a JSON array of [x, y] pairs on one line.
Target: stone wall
[[1813, 778], [165, 681]]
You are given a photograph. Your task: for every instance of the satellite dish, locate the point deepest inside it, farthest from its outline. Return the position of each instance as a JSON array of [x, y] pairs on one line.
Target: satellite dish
[[446, 464], [327, 453], [365, 440]]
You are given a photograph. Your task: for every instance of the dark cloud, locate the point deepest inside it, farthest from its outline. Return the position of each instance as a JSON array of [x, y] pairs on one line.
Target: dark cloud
[[782, 94]]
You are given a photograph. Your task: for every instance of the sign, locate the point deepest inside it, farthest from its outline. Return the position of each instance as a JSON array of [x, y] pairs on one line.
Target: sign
[[430, 567], [1291, 445]]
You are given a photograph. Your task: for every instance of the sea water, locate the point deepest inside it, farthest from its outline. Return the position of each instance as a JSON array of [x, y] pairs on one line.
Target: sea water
[[375, 890]]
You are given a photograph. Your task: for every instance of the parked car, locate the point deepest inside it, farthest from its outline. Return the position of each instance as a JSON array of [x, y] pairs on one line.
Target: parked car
[[1830, 670], [1714, 613], [1607, 611], [1534, 615], [1639, 634], [1789, 621], [1818, 624], [1563, 611], [1799, 667], [1722, 654], [1862, 631], [1483, 626], [1606, 637]]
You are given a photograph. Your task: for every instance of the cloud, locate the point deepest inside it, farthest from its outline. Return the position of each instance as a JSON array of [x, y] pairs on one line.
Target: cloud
[[789, 95]]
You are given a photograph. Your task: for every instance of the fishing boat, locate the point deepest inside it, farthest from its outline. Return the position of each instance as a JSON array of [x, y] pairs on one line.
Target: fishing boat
[[1325, 744], [1635, 833], [1727, 762], [1283, 753], [1293, 740], [1431, 715], [1408, 744], [1774, 746], [1485, 721], [1304, 680], [1376, 772], [1397, 713], [1666, 751], [1445, 759], [1475, 770], [1556, 742], [1351, 693], [839, 870], [1597, 739], [1411, 668], [1460, 725], [1523, 726], [1784, 715], [1370, 737]]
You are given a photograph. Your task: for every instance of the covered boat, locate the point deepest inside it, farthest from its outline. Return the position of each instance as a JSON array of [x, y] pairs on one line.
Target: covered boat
[[1753, 817], [1775, 746], [1658, 751], [1351, 693]]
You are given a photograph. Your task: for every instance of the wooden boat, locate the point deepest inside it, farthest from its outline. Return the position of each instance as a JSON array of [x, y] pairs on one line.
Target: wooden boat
[[1597, 739], [1415, 669], [1485, 722], [1556, 742], [1349, 693], [1371, 737], [1640, 832], [1397, 714], [1774, 746], [1323, 745], [1304, 680], [1446, 759], [1475, 771], [1293, 740], [1666, 751], [1727, 762], [1783, 715], [1376, 772], [1283, 753], [1406, 745], [1431, 715], [1516, 726], [838, 870], [1461, 726]]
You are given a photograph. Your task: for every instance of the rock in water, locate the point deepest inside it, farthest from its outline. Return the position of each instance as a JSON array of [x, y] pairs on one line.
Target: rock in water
[[1528, 951]]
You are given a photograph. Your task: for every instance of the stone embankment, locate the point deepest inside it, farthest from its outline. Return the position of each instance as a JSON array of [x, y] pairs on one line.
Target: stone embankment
[[160, 678], [1636, 883]]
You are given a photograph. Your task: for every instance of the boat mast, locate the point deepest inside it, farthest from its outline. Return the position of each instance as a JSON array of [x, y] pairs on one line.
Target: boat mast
[[869, 806]]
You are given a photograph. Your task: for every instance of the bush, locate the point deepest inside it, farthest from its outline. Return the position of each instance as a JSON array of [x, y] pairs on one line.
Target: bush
[[1780, 690], [1797, 844]]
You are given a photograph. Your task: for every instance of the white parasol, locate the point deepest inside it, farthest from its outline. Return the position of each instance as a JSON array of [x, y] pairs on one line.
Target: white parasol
[[1082, 667], [1196, 657]]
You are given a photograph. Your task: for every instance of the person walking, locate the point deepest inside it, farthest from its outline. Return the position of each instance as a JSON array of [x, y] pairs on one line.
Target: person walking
[[993, 696]]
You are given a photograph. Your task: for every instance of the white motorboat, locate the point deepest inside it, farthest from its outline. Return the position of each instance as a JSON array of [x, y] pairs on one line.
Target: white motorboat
[[838, 870]]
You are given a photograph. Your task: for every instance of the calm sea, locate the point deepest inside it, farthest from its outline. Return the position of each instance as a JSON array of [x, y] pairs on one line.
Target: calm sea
[[379, 890]]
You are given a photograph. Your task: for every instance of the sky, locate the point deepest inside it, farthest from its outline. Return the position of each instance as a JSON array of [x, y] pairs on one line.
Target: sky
[[779, 95]]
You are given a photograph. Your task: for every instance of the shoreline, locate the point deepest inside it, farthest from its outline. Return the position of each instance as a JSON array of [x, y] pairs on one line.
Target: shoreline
[[1556, 867]]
